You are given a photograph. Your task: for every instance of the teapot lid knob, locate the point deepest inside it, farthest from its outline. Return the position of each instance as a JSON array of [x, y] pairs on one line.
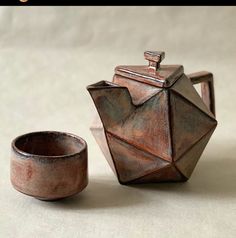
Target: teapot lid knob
[[154, 58]]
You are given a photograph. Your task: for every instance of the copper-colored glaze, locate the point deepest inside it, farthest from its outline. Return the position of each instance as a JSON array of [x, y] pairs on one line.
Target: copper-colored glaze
[[153, 124], [49, 165]]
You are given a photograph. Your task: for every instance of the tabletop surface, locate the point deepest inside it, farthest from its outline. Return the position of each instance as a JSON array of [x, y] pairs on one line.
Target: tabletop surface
[[48, 57]]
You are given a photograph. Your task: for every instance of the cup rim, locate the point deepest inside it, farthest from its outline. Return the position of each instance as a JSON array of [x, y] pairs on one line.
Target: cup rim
[[29, 155]]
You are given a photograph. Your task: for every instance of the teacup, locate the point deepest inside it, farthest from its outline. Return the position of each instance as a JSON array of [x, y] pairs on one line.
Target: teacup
[[49, 165]]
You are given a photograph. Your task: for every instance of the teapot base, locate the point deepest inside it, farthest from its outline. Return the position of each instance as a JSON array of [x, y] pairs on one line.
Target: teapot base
[[134, 166]]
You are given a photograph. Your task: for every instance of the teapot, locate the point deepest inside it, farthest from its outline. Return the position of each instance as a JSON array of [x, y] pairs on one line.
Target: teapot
[[153, 125]]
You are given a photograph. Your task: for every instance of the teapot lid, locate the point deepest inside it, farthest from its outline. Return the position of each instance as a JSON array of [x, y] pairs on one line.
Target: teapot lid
[[154, 73]]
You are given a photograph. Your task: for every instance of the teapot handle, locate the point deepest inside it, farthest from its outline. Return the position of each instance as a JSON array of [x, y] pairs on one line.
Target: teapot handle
[[207, 87]]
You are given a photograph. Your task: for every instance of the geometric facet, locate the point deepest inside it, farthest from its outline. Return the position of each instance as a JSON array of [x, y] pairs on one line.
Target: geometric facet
[[189, 124], [132, 163], [151, 135], [166, 174], [138, 96], [188, 161], [185, 88], [100, 137]]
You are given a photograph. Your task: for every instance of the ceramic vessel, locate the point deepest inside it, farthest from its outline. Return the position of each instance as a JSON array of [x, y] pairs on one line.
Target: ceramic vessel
[[153, 125], [49, 165]]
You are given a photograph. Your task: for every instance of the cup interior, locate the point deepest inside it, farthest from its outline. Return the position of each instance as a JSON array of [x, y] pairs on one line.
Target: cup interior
[[49, 144]]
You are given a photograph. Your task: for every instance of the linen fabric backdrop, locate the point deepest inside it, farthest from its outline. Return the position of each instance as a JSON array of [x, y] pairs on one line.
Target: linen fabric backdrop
[[48, 55]]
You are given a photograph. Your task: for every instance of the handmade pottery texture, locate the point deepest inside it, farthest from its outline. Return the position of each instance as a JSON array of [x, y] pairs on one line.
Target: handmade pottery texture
[[48, 57], [155, 124], [49, 165]]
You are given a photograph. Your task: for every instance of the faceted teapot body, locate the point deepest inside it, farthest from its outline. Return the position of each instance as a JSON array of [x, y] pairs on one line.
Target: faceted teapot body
[[152, 131]]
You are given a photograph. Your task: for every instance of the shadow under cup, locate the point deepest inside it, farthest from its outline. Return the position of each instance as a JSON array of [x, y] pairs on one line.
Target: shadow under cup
[[49, 165]]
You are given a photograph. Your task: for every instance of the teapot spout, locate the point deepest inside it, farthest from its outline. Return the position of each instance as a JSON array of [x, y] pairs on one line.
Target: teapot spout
[[113, 102]]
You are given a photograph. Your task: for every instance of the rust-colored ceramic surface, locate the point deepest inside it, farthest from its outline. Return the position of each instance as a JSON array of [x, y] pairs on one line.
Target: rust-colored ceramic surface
[[153, 124], [49, 165]]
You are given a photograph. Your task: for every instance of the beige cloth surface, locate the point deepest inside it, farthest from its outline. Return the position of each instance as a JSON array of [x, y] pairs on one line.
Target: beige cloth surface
[[48, 55]]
